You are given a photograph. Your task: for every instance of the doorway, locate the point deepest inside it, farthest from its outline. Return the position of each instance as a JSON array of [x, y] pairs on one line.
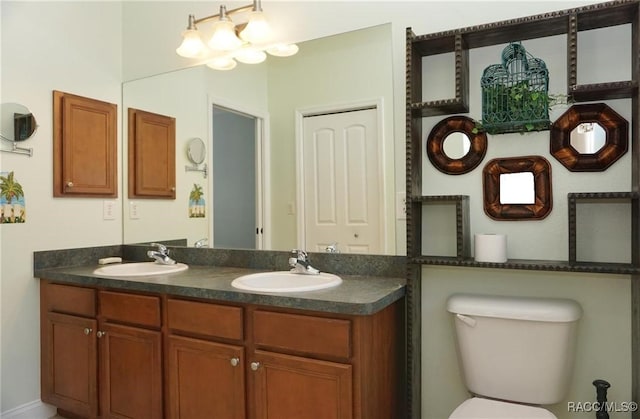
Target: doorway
[[237, 181]]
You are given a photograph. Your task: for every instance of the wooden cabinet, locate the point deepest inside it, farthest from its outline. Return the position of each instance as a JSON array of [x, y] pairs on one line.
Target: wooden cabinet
[[84, 147], [69, 372], [92, 366], [118, 354], [152, 155], [199, 367], [287, 386]]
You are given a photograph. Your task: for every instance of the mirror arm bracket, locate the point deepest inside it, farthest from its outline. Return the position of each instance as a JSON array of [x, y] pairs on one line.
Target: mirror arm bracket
[[195, 168], [17, 150]]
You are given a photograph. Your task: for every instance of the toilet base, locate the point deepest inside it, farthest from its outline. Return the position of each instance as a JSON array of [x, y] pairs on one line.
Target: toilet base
[[479, 408]]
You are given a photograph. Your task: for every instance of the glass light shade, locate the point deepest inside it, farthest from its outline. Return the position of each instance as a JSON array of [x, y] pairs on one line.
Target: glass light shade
[[250, 56], [283, 50], [257, 29], [222, 63], [191, 46], [224, 36]]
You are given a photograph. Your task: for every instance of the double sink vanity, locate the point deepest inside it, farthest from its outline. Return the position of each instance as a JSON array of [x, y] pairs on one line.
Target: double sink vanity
[[221, 334]]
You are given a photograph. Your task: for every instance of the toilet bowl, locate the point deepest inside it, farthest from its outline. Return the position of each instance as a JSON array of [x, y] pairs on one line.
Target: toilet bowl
[[516, 354]]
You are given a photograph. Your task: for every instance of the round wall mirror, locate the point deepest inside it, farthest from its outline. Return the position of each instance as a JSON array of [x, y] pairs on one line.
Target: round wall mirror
[[454, 148], [196, 150], [18, 123]]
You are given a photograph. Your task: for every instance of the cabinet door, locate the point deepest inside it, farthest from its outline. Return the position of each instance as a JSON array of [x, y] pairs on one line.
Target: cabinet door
[[290, 387], [152, 155], [84, 146], [130, 372], [69, 364], [206, 379]]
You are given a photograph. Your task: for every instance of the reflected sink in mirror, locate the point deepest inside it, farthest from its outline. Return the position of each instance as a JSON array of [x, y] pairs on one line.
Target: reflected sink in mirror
[[140, 269], [285, 281]]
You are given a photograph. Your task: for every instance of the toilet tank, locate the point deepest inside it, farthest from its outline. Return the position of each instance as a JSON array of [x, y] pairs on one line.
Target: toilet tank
[[516, 348]]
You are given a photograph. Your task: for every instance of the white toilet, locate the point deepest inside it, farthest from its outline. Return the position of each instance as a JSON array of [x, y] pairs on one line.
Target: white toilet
[[516, 353]]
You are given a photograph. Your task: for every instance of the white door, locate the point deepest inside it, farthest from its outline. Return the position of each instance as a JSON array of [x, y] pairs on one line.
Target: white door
[[342, 185]]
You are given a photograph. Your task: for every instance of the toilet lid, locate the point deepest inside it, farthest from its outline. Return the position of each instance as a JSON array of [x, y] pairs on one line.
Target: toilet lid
[[479, 408]]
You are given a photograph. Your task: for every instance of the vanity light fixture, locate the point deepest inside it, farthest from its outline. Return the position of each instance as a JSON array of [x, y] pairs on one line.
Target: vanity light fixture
[[247, 42]]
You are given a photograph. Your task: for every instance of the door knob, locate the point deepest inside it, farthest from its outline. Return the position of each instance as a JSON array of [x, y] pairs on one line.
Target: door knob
[[87, 330], [255, 366], [235, 361], [101, 334]]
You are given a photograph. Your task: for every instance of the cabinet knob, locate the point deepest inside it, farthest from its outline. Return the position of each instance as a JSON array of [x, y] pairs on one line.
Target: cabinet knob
[[101, 333], [234, 361], [69, 184], [255, 366], [87, 330]]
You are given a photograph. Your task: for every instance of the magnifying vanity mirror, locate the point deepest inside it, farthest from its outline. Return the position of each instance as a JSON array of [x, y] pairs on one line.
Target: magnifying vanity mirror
[[196, 153], [517, 188], [17, 124], [452, 146], [589, 137]]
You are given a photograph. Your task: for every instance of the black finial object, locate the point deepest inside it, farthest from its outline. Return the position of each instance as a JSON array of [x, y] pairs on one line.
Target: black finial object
[[601, 398]]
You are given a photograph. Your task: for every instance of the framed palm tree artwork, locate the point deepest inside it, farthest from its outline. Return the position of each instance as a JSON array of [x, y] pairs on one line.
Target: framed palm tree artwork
[[12, 208], [196, 202]]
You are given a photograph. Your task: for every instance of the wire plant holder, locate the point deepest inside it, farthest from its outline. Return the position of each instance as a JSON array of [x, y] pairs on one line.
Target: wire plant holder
[[515, 94]]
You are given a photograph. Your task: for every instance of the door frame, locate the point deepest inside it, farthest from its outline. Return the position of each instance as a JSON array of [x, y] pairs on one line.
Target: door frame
[[356, 105], [262, 164]]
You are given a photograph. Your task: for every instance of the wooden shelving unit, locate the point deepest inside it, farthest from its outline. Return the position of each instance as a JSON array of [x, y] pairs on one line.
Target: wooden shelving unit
[[459, 41]]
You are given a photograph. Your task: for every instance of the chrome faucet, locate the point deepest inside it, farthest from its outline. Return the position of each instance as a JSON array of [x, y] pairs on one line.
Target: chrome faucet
[[299, 262], [201, 243], [161, 255]]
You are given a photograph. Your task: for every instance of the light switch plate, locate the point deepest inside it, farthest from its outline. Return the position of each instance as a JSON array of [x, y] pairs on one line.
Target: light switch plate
[[109, 210], [134, 210]]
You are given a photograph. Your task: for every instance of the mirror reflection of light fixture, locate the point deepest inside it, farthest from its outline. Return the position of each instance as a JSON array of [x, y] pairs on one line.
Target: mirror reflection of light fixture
[[245, 42]]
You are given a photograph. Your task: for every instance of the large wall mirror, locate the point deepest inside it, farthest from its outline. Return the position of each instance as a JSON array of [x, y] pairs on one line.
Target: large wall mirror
[[517, 188], [269, 94]]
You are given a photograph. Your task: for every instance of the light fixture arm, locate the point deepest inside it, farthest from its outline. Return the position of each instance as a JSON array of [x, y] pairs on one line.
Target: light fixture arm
[[256, 5]]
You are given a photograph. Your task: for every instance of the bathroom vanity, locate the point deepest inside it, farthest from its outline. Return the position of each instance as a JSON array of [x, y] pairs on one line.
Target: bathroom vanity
[[190, 345]]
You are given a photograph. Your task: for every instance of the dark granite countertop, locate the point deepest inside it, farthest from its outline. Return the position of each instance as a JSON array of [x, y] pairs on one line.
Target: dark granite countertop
[[357, 294]]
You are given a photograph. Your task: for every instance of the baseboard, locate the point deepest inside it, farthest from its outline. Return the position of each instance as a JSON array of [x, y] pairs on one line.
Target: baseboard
[[32, 410]]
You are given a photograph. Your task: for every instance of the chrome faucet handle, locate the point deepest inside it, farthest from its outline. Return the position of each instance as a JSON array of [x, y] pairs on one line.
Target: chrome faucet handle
[[301, 255], [161, 248], [332, 248], [201, 242]]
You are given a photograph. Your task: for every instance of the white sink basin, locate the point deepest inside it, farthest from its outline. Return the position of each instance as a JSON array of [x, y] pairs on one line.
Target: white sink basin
[[140, 269], [285, 281]]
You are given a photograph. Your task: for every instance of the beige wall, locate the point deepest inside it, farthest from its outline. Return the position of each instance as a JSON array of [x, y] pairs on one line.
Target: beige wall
[[42, 51]]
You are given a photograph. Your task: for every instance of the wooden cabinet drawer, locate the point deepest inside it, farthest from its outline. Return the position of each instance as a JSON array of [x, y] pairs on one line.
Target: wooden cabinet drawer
[[308, 334], [213, 320], [142, 310], [69, 299]]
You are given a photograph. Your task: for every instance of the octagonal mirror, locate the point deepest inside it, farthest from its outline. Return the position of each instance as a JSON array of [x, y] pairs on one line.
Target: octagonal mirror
[[589, 137]]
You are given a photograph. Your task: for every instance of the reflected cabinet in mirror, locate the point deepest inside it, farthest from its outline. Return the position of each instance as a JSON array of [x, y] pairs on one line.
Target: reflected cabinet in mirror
[[589, 137], [452, 146], [517, 188]]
